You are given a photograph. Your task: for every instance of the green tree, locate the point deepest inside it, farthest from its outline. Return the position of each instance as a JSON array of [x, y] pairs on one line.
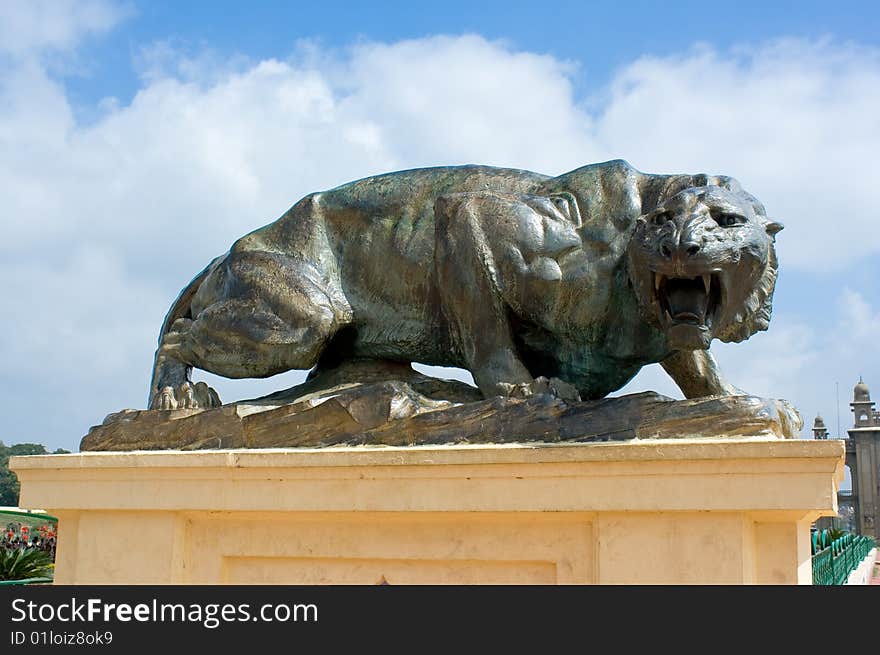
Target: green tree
[[9, 486], [27, 449]]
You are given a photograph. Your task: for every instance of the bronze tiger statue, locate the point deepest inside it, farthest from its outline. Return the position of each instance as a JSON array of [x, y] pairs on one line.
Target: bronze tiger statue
[[566, 285]]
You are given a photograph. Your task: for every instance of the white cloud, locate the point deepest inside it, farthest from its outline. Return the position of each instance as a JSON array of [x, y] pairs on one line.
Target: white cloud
[[78, 332], [858, 318], [105, 222], [27, 26], [772, 363], [68, 319], [775, 364], [464, 99], [798, 123]]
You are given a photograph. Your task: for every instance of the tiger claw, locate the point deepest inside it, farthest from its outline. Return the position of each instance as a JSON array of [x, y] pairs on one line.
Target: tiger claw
[[541, 385], [186, 396]]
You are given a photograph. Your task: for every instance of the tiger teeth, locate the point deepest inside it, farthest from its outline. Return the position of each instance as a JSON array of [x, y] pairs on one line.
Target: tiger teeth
[[657, 279], [707, 281]]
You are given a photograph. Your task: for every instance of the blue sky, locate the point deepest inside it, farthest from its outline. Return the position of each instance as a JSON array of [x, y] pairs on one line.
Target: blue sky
[[599, 36], [139, 139]]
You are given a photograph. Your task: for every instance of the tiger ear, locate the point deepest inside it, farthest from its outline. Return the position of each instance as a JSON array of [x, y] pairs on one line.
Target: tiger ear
[[773, 227], [567, 204]]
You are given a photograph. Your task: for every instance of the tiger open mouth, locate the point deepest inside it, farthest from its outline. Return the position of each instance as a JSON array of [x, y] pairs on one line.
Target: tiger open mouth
[[692, 301]]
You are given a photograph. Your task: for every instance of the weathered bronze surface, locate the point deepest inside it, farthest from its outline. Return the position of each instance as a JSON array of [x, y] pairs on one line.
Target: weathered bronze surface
[[561, 287]]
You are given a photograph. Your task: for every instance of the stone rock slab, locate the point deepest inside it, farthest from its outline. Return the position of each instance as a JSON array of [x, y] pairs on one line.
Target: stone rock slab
[[391, 404]]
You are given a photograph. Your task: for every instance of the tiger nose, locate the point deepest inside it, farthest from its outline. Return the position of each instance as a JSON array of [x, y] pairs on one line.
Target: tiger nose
[[689, 246], [690, 238], [683, 246]]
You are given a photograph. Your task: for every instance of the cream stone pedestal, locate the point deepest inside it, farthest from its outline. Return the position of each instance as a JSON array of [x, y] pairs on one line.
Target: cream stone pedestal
[[643, 512]]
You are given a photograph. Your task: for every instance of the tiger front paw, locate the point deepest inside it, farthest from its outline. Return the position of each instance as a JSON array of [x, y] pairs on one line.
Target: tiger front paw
[[186, 396], [541, 385]]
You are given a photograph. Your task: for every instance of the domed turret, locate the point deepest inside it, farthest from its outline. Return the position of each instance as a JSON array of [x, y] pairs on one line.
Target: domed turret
[[862, 406], [819, 429], [861, 393]]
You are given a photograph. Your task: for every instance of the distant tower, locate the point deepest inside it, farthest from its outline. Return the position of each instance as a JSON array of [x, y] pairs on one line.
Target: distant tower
[[862, 455], [862, 406], [819, 429]]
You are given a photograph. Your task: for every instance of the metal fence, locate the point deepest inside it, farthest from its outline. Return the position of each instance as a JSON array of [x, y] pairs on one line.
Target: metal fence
[[835, 559], [26, 581]]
